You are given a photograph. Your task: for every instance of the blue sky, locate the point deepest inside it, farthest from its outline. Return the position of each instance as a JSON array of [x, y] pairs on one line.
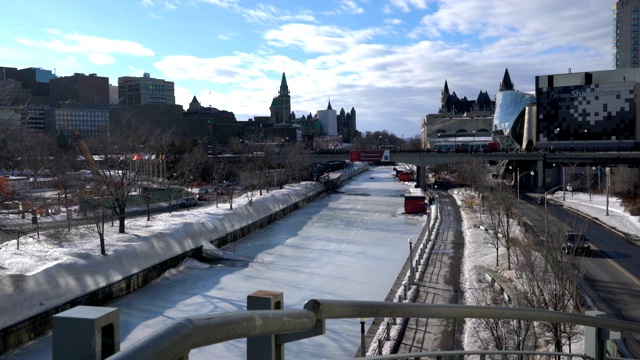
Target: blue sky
[[388, 59]]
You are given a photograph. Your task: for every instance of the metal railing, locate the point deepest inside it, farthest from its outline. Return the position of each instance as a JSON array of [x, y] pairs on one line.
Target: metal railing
[[281, 326]]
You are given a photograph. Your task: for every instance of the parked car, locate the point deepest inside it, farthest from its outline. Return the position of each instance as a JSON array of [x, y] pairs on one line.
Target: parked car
[[188, 202], [202, 198], [576, 243], [222, 191]]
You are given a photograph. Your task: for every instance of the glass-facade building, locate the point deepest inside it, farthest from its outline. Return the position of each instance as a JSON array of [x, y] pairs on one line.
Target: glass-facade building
[[510, 113], [90, 122]]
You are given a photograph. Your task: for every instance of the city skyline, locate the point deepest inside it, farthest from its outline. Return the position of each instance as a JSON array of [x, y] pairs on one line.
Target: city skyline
[[387, 59]]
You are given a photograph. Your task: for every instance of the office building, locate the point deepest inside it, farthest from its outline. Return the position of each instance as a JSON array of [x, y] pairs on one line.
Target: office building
[[625, 34], [596, 110], [79, 89], [145, 90]]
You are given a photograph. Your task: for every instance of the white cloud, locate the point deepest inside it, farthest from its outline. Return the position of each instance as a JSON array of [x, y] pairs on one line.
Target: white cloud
[[221, 3], [101, 59], [268, 14], [225, 37], [393, 21], [77, 43], [318, 39], [406, 5], [350, 7]]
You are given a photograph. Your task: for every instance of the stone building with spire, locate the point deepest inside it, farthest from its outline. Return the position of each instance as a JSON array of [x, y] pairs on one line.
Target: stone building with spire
[[471, 122], [281, 105]]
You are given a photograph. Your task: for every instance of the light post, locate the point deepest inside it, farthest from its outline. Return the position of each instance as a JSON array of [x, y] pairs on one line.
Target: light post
[[546, 194], [586, 135], [608, 173], [473, 143], [557, 131], [410, 262], [363, 353], [379, 138], [518, 170], [598, 169]]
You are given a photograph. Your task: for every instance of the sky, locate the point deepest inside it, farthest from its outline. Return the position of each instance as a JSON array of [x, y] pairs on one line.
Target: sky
[[387, 59], [341, 268]]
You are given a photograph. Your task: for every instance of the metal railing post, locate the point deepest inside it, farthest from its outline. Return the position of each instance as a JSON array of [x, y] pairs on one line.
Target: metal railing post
[[264, 347], [595, 339]]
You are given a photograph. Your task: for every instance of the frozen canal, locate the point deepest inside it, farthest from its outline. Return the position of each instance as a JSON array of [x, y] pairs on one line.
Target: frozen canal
[[347, 245]]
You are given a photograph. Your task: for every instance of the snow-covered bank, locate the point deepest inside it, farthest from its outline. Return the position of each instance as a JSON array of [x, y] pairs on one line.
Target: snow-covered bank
[[41, 275]]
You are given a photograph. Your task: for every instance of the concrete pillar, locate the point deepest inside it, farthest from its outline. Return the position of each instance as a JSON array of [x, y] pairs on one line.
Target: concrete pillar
[[86, 332], [265, 347], [529, 125], [421, 177], [595, 339], [539, 182]]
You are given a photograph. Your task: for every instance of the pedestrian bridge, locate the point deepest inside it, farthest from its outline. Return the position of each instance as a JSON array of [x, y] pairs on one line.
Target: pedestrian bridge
[[268, 327]]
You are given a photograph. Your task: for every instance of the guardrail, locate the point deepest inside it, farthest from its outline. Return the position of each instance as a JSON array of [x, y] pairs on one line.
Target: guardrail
[[267, 331]]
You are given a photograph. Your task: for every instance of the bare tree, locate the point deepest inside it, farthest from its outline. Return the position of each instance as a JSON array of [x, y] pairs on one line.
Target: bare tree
[[218, 169], [494, 219], [548, 280], [297, 162], [624, 182], [252, 176], [587, 180], [121, 169], [190, 164]]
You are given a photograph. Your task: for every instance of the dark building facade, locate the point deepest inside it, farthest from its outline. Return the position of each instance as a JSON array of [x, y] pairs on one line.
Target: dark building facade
[[347, 125], [30, 83], [594, 109], [80, 89]]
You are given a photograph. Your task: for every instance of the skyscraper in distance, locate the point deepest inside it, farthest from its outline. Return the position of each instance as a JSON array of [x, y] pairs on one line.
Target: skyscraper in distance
[[625, 39]]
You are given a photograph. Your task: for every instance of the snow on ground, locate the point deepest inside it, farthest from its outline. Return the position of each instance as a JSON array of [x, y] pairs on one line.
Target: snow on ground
[[349, 244], [62, 268], [43, 273], [477, 252]]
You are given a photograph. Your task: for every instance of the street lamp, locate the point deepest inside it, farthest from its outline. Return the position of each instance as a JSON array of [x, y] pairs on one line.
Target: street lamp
[[557, 132], [473, 143], [599, 170], [363, 353], [379, 138], [519, 175], [586, 135], [608, 173], [410, 262]]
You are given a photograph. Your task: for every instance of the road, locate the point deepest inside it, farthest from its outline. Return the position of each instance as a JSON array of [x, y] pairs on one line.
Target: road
[[611, 274]]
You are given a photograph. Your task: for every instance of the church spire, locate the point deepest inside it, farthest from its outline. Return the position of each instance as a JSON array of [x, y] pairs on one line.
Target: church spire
[[284, 89], [506, 83], [329, 106]]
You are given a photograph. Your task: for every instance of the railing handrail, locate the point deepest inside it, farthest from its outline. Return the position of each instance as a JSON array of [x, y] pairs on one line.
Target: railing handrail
[[455, 354], [183, 335], [341, 309]]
